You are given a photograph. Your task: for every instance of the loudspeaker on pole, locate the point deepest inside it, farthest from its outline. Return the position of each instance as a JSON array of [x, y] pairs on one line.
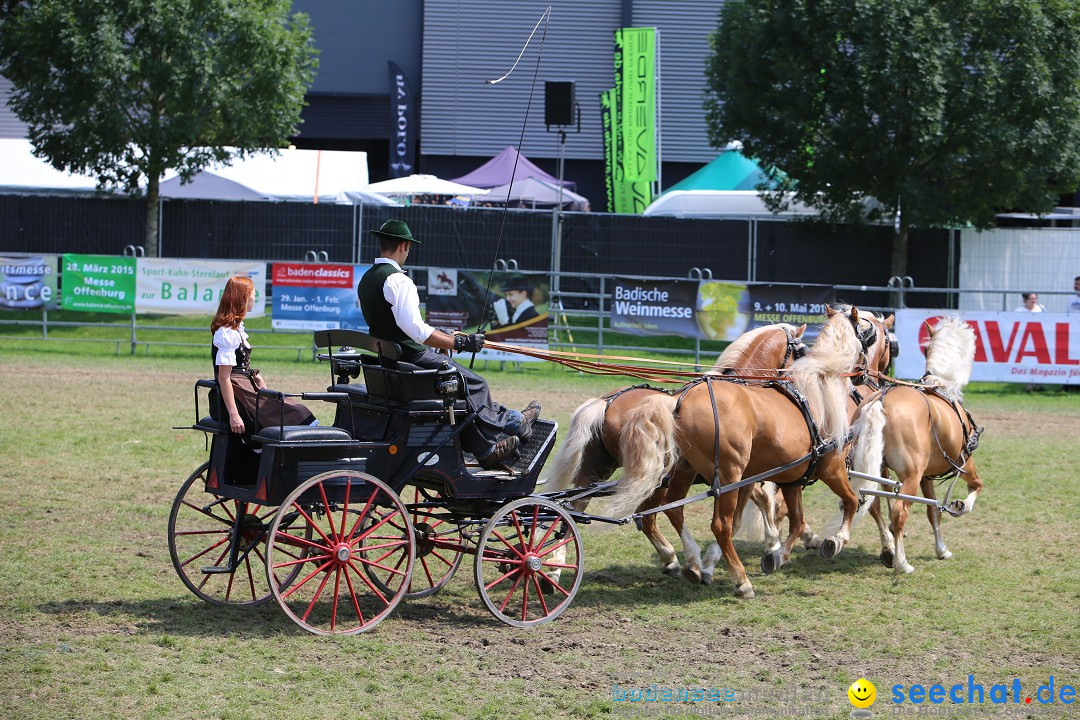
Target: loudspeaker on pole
[[559, 102]]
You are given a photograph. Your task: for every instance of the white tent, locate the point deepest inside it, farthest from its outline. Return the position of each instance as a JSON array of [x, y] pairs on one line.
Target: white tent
[[422, 185], [300, 174], [21, 171], [716, 203]]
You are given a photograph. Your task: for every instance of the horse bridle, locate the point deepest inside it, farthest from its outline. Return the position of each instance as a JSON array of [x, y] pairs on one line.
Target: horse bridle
[[796, 348]]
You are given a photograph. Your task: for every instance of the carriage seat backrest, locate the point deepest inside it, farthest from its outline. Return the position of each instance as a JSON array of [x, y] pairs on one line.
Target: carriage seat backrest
[[386, 375]]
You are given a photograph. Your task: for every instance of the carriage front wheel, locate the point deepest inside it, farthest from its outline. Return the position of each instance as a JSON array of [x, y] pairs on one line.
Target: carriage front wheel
[[351, 538], [529, 562], [203, 530]]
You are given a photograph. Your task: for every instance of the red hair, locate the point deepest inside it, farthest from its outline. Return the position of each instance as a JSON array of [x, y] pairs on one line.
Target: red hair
[[233, 305]]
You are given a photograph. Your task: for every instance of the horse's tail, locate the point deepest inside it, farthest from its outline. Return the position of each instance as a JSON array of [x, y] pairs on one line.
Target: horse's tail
[[649, 452], [868, 451], [752, 526], [586, 427]]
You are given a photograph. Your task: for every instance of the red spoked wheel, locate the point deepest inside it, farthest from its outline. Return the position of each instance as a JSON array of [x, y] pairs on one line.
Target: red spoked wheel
[[529, 562], [359, 547], [202, 530], [438, 539]]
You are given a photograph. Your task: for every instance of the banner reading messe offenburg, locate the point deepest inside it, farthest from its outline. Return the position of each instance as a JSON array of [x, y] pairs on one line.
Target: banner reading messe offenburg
[[713, 310], [1009, 346]]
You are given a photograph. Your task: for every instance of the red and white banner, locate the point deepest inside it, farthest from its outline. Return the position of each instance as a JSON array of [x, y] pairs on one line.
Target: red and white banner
[[1009, 346]]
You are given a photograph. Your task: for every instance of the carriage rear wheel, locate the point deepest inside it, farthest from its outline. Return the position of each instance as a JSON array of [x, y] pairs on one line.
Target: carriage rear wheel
[[202, 530], [437, 540], [351, 539], [529, 562]]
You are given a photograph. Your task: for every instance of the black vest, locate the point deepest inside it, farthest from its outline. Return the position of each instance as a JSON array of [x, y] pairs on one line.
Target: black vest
[[378, 313]]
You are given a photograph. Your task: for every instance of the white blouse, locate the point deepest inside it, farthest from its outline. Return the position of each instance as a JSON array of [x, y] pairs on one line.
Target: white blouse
[[227, 340]]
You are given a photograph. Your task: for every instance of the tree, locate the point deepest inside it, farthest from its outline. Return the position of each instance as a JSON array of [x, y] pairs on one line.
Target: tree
[[126, 89], [948, 110]]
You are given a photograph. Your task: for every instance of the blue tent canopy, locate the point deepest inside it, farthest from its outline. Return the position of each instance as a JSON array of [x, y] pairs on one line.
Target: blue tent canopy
[[731, 170]]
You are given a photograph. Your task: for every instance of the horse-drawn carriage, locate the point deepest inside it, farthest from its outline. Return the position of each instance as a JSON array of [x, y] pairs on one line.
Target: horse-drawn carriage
[[338, 524]]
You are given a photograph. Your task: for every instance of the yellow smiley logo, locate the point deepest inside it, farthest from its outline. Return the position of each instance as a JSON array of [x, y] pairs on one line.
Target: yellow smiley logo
[[862, 693]]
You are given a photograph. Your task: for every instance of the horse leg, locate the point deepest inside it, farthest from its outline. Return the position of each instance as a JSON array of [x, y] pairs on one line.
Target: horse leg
[[888, 547], [771, 562], [899, 510], [975, 486], [722, 527], [834, 474], [933, 514], [714, 553], [669, 561], [765, 499]]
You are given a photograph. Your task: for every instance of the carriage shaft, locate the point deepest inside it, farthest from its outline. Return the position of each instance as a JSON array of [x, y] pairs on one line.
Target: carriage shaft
[[898, 496], [874, 478]]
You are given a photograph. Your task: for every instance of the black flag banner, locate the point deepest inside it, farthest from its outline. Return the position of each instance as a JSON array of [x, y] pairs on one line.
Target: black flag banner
[[402, 123]]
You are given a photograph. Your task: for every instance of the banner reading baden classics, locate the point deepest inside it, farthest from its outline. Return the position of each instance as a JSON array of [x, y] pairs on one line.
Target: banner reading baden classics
[[1009, 346], [99, 283], [190, 287], [311, 296], [29, 282]]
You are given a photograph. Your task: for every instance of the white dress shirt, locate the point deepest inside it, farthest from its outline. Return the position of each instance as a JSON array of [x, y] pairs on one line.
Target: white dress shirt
[[400, 291]]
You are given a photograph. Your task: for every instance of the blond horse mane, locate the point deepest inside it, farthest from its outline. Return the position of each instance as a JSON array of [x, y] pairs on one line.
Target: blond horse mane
[[950, 353], [818, 375], [736, 353]]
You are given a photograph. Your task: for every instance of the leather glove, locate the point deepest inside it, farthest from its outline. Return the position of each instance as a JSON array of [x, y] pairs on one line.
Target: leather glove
[[469, 343]]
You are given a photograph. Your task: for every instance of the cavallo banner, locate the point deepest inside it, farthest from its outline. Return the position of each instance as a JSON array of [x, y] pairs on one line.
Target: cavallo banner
[[637, 80], [402, 124], [1009, 346]]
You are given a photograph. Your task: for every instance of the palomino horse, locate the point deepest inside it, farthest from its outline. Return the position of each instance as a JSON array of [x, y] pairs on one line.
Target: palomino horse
[[879, 357], [591, 452], [927, 434], [794, 430]]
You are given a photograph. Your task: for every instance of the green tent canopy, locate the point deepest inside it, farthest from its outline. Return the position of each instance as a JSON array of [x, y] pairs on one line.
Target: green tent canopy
[[731, 170]]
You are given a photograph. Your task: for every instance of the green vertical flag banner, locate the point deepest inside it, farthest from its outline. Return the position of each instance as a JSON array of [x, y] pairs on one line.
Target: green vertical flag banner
[[98, 283], [637, 48], [608, 124]]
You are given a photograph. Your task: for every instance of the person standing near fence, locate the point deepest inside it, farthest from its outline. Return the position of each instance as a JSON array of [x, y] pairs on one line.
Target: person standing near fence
[[1074, 301], [1031, 303]]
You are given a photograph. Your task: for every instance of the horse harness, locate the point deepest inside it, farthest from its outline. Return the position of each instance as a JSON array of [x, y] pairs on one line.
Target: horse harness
[[818, 447], [970, 429]]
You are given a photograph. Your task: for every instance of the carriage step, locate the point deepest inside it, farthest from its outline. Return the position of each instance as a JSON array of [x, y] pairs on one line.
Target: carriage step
[[218, 570]]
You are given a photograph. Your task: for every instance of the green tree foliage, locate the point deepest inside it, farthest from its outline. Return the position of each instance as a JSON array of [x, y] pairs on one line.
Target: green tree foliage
[[126, 89], [955, 109]]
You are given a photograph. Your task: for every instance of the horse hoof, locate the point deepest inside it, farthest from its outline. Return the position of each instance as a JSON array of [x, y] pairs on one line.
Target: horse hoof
[[745, 591], [906, 569], [830, 548], [813, 543], [706, 578], [944, 555], [771, 562], [692, 575], [959, 507], [887, 558], [673, 571]]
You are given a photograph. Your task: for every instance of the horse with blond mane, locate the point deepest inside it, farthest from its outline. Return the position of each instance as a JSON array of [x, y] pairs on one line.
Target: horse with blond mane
[[925, 435], [789, 431], [591, 451]]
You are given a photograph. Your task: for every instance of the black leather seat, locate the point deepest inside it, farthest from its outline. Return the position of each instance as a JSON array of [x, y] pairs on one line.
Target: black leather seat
[[302, 433]]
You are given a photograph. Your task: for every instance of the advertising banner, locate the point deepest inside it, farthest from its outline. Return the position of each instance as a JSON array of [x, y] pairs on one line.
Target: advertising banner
[[176, 286], [637, 114], [29, 282], [99, 283], [713, 309], [1009, 346], [311, 296], [514, 311], [402, 123], [646, 307]]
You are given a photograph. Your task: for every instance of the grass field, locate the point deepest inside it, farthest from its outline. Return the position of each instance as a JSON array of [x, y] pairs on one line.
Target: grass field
[[95, 624]]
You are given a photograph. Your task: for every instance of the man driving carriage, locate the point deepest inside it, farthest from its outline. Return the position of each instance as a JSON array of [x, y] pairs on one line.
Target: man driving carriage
[[391, 306]]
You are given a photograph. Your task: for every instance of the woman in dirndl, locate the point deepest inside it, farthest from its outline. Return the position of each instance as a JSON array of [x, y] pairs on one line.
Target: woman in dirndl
[[238, 382]]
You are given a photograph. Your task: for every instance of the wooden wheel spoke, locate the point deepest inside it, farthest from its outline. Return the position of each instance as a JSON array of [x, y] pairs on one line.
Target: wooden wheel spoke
[[367, 582], [303, 582], [510, 594], [540, 596]]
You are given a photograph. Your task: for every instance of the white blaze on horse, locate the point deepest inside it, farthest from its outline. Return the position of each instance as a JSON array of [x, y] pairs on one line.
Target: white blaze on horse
[[926, 435], [591, 451], [790, 431]]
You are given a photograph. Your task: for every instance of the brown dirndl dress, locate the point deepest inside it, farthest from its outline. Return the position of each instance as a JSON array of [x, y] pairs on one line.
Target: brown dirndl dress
[[271, 413]]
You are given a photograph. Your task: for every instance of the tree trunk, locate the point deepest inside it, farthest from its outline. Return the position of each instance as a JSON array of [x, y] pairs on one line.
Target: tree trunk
[[899, 262], [153, 202]]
